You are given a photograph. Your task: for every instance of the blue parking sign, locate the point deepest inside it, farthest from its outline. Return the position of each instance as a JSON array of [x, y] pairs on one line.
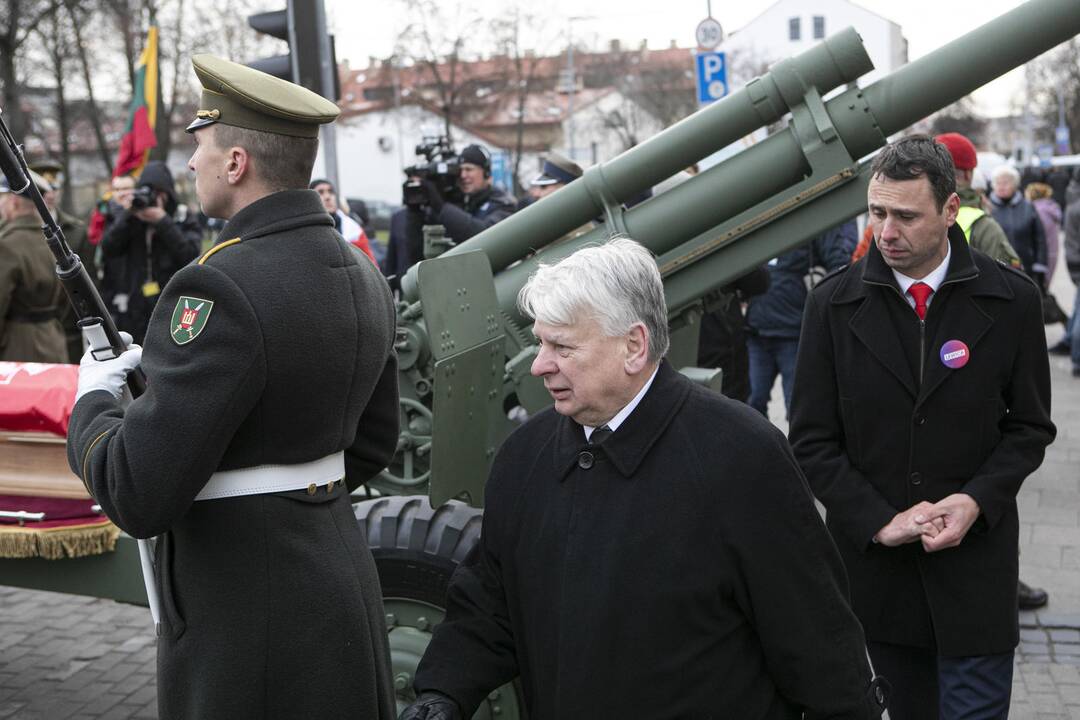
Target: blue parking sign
[[711, 76], [500, 170]]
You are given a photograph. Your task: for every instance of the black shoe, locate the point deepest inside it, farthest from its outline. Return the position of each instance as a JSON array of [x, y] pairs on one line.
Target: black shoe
[[1076, 370], [1060, 348], [1031, 598]]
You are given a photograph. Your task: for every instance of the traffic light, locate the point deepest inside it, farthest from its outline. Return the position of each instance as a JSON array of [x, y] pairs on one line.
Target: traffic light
[[311, 60]]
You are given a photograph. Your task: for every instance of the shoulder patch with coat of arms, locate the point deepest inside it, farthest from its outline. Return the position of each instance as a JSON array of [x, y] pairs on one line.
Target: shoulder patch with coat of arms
[[189, 318]]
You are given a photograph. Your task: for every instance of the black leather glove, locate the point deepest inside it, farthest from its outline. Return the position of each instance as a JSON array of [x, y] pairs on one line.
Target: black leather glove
[[434, 197], [432, 706]]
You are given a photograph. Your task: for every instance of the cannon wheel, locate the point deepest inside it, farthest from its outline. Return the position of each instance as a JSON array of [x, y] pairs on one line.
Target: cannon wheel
[[416, 549]]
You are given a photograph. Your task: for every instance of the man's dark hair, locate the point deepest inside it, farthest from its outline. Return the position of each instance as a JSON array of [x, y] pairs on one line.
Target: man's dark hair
[[916, 156], [283, 162]]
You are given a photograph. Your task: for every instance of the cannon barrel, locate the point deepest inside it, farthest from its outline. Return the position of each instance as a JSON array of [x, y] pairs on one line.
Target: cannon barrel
[[675, 223], [830, 64]]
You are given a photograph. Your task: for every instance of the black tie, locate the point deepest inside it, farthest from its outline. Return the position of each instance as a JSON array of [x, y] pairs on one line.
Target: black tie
[[600, 434]]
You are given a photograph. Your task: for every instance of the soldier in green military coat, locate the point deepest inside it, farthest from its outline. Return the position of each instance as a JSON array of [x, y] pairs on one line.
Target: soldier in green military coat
[[75, 233], [30, 293], [271, 379]]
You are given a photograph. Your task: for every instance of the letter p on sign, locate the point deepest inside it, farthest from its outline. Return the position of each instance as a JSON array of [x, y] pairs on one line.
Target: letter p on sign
[[711, 76]]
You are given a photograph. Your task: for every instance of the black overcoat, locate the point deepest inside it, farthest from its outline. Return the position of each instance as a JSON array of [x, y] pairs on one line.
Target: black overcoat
[[873, 440], [272, 607], [678, 570]]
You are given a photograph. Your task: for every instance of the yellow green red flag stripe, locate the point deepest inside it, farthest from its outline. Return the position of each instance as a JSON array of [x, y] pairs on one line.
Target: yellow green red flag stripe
[[139, 137]]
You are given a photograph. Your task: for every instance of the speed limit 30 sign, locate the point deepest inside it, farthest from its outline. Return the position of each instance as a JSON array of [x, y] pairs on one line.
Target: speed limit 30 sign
[[709, 34]]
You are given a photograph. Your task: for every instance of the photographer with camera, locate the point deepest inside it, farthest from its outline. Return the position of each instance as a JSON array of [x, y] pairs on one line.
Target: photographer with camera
[[152, 238], [454, 191]]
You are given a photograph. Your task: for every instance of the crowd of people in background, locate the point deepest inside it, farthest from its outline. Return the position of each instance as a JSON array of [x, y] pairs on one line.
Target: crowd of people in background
[[143, 233], [752, 326]]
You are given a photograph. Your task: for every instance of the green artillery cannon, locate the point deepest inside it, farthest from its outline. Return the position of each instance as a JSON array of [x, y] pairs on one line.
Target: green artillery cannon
[[464, 351]]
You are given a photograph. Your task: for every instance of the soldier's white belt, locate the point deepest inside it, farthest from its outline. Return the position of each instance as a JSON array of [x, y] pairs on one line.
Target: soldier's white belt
[[265, 479]]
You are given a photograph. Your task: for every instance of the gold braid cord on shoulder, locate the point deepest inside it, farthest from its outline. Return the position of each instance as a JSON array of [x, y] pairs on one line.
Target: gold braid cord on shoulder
[[219, 246]]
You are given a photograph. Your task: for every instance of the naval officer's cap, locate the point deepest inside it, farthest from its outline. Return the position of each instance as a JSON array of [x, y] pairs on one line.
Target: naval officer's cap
[[237, 95], [558, 169]]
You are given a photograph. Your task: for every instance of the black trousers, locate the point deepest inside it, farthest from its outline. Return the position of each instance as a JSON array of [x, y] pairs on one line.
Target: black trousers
[[926, 686]]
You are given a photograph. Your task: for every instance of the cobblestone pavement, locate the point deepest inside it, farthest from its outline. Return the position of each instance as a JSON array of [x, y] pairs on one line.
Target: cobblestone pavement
[[1046, 685], [65, 656]]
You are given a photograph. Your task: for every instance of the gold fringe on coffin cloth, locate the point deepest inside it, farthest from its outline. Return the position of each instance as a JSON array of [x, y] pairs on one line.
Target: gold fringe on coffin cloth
[[56, 543]]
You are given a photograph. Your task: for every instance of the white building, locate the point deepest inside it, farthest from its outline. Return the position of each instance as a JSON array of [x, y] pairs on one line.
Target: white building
[[788, 27]]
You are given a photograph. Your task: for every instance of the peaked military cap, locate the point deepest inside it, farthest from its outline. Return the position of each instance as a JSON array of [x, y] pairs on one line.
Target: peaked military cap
[[48, 169], [240, 96], [558, 169]]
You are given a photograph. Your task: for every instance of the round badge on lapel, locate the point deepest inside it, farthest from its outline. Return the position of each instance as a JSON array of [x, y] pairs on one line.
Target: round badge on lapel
[[955, 354]]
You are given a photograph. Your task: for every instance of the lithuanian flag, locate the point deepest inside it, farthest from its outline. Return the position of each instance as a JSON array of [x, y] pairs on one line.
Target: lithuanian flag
[[139, 135]]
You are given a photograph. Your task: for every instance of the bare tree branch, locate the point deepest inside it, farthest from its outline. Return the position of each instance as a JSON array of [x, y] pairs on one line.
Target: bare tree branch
[[84, 63]]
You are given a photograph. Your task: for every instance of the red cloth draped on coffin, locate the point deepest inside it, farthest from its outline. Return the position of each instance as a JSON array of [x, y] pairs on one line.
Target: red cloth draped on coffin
[[35, 406], [37, 397]]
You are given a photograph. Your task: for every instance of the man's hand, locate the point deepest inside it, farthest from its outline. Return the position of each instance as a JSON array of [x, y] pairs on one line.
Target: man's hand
[[431, 706], [110, 375], [958, 512], [909, 526], [152, 214], [434, 197]]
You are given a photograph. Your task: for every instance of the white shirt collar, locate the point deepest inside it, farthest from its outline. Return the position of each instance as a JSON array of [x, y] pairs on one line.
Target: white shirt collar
[[614, 423], [933, 279]]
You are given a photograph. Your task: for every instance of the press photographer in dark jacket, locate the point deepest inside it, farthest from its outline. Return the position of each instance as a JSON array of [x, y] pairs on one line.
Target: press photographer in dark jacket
[[476, 206], [150, 240]]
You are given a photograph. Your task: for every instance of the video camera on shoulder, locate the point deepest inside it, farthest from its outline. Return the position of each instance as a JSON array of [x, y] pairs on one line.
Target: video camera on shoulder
[[143, 197], [441, 167]]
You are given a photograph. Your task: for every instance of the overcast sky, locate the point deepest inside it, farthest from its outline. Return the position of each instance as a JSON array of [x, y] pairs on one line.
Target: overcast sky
[[369, 28]]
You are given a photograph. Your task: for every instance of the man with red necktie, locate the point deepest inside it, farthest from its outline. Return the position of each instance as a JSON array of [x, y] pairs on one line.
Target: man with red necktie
[[921, 403]]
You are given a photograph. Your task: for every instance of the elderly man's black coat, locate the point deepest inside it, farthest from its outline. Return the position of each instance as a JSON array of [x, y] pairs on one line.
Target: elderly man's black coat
[[874, 440], [272, 607], [678, 570]]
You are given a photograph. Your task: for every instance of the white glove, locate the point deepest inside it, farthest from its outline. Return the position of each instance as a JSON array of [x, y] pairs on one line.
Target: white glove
[[108, 375]]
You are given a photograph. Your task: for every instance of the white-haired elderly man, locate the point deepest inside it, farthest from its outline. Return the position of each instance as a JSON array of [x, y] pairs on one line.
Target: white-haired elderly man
[[650, 548]]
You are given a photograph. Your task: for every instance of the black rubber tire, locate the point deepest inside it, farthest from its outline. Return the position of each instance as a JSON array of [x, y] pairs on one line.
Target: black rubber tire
[[416, 547]]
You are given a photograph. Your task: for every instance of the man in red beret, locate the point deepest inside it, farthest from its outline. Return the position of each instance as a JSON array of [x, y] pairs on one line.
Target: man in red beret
[[981, 229]]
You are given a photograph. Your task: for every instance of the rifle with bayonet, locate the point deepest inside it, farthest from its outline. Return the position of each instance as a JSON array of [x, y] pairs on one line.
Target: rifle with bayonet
[[93, 316]]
